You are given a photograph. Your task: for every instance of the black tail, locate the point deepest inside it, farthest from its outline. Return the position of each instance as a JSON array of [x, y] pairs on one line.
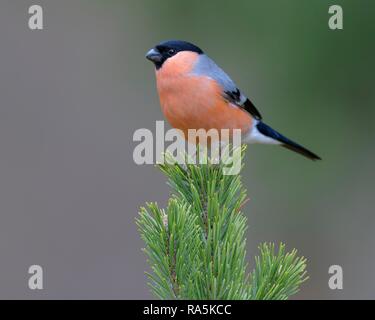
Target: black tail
[[286, 143]]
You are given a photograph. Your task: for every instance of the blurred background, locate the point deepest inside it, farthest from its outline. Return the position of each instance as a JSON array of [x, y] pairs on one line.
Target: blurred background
[[72, 95]]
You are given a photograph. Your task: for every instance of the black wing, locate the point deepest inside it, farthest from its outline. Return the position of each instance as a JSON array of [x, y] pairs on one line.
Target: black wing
[[243, 102]]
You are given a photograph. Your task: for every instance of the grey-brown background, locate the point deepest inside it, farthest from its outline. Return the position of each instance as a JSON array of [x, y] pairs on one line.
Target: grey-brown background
[[72, 95]]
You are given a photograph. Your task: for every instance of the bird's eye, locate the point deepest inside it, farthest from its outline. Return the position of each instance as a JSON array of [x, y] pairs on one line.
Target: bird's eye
[[171, 52]]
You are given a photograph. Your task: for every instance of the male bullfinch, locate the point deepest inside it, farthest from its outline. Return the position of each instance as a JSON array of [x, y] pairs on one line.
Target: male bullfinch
[[197, 94]]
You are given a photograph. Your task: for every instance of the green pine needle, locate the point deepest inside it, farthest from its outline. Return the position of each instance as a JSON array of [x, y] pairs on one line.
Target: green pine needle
[[197, 249]]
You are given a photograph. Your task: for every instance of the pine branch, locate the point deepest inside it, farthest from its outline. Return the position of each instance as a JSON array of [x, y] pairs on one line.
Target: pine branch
[[277, 276], [197, 247], [172, 239]]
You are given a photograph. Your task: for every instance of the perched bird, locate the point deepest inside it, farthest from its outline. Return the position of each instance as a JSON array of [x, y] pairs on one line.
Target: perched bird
[[195, 93]]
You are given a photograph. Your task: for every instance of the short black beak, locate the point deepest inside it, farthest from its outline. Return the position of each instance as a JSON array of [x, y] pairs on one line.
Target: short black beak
[[154, 55]]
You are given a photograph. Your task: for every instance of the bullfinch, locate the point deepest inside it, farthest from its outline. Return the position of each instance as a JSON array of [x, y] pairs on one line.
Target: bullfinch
[[195, 93]]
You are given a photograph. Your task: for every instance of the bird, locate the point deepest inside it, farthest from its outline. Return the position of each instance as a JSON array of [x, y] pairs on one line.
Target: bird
[[195, 93]]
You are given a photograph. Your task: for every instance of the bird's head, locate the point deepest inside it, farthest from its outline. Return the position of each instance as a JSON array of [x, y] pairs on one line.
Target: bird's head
[[170, 49]]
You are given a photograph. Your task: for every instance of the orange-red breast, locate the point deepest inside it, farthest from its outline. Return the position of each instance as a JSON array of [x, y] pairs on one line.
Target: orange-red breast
[[197, 94]]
